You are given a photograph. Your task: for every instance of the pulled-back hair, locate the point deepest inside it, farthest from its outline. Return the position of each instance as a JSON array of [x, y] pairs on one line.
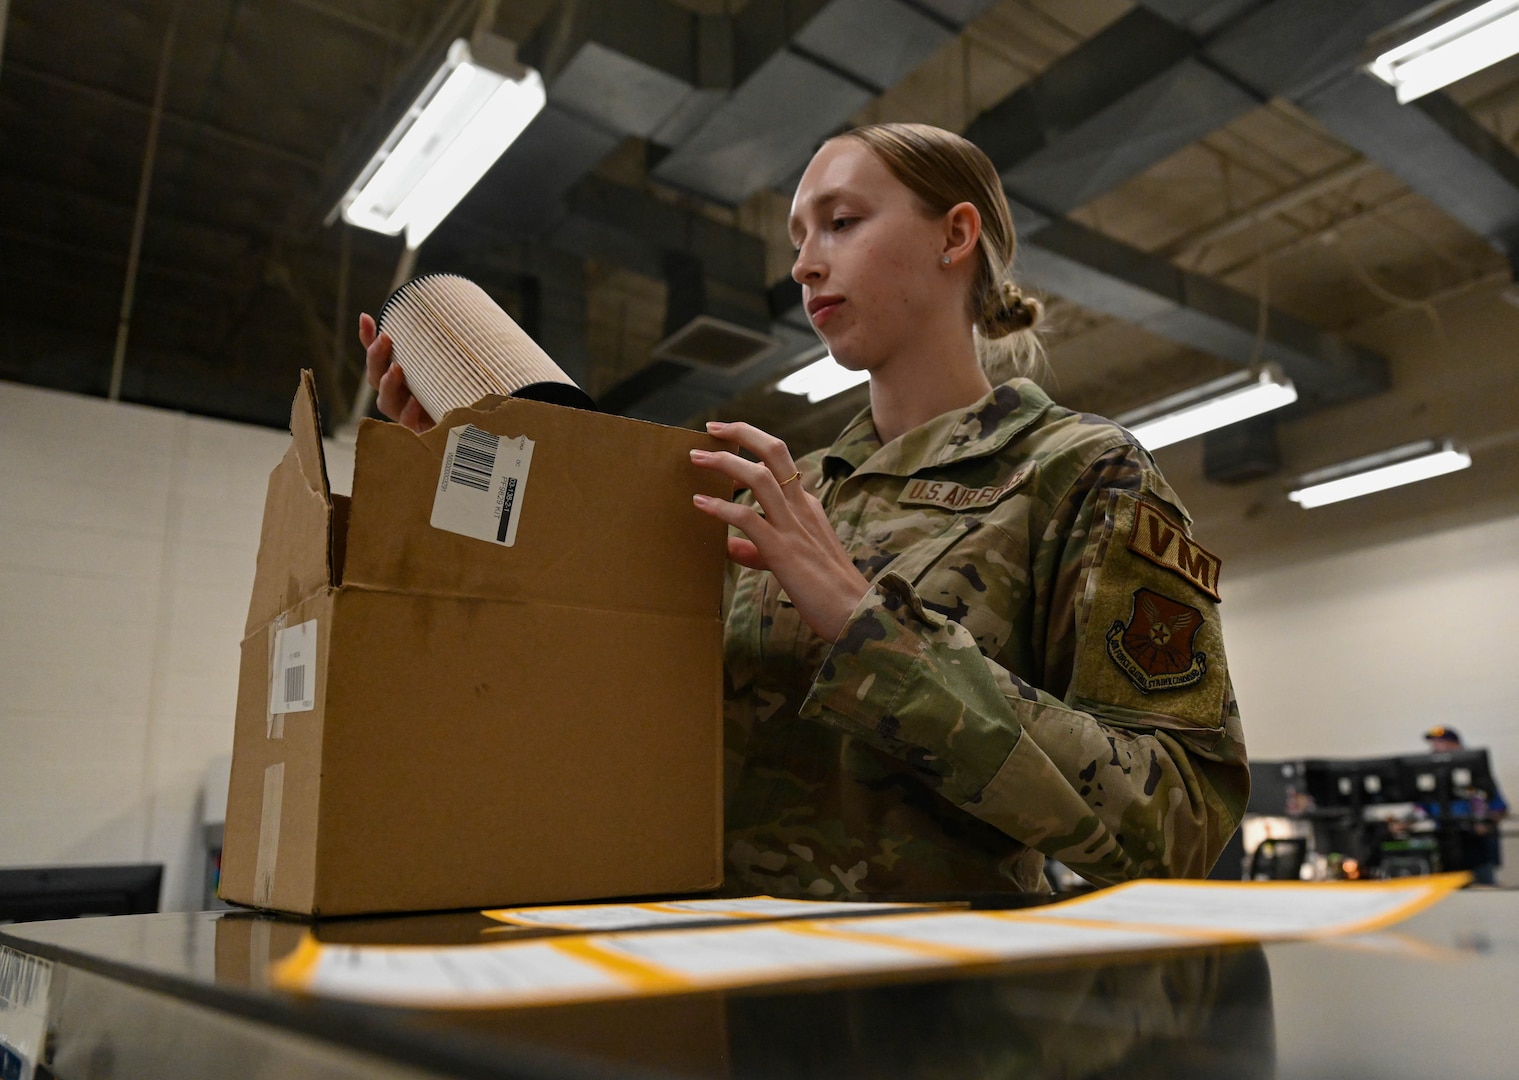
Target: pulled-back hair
[[943, 170]]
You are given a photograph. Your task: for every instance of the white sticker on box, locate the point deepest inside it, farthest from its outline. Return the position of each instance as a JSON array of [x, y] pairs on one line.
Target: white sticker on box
[[25, 981], [292, 676], [482, 484]]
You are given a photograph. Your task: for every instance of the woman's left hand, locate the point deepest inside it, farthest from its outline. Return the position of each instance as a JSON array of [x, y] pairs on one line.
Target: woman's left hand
[[789, 534]]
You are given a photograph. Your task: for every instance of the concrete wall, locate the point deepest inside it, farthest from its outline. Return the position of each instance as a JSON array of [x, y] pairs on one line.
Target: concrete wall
[[127, 544], [1358, 653]]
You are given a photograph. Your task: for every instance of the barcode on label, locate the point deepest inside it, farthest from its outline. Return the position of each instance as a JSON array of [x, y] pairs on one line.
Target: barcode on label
[[23, 979], [292, 671], [295, 685], [474, 458], [481, 484]]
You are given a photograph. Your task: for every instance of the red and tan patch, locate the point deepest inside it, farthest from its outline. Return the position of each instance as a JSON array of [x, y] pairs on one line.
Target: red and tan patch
[[1162, 541], [1155, 648]]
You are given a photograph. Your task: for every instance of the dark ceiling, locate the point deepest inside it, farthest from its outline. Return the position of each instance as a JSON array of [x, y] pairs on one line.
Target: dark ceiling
[[1199, 185]]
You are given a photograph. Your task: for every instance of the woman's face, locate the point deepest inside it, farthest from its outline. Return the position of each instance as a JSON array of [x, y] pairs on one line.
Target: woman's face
[[868, 258]]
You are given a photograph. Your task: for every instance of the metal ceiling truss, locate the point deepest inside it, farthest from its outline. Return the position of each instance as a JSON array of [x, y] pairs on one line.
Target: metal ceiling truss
[[1131, 96], [1163, 76]]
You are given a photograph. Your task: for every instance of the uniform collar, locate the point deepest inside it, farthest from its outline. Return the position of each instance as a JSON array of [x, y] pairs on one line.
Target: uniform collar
[[981, 430]]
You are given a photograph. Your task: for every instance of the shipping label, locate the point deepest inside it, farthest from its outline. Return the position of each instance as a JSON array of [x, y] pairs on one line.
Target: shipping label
[[24, 984], [482, 484], [292, 674]]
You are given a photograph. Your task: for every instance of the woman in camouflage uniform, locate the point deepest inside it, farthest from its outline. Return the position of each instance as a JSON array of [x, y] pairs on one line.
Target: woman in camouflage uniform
[[975, 631]]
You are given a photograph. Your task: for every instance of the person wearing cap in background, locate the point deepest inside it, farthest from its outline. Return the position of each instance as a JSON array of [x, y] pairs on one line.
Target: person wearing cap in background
[[1483, 808]]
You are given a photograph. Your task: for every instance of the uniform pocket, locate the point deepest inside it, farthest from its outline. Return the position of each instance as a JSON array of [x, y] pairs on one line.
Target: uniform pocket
[[916, 562]]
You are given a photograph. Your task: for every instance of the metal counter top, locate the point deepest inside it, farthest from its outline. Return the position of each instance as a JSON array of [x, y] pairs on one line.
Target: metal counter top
[[187, 995]]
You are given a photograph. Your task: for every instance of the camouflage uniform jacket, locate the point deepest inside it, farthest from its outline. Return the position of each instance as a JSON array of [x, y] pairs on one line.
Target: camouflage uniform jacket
[[1036, 670]]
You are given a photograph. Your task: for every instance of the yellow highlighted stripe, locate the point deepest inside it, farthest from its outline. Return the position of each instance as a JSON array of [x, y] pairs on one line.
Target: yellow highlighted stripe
[[639, 974]]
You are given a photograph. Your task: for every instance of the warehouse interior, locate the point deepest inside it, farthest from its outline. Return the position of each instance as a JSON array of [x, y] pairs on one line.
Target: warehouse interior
[[1200, 187]]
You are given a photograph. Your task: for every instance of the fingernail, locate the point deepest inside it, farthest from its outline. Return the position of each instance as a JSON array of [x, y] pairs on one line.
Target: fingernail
[[699, 455], [715, 425], [700, 500]]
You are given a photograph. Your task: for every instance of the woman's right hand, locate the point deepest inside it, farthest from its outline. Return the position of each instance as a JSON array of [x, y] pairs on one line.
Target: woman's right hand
[[393, 395]]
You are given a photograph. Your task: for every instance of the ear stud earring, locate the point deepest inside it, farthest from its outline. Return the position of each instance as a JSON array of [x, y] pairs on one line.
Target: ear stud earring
[[945, 260]]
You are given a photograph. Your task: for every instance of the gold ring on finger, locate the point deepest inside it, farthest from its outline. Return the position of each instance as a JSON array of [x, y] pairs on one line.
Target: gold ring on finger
[[790, 478]]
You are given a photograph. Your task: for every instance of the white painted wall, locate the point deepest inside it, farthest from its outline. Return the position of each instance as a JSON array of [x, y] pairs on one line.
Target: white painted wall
[[1358, 653], [127, 544]]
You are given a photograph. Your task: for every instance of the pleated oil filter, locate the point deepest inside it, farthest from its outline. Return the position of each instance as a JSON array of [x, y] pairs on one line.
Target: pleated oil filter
[[456, 346]]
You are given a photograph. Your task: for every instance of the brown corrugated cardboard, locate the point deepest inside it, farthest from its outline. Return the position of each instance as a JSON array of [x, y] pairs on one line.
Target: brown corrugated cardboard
[[487, 725]]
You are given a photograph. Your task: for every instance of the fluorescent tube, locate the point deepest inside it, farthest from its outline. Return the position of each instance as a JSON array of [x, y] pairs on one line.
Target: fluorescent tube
[[823, 378], [1452, 50], [1377, 472], [1213, 405], [464, 119]]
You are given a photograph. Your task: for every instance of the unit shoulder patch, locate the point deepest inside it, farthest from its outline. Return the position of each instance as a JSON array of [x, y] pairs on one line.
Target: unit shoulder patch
[[951, 496], [1155, 648], [1163, 542]]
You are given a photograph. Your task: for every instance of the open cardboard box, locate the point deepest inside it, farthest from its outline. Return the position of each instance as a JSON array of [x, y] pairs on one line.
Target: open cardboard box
[[429, 720]]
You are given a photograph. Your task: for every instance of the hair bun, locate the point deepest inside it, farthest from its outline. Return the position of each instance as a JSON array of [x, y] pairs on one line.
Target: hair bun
[[1007, 311]]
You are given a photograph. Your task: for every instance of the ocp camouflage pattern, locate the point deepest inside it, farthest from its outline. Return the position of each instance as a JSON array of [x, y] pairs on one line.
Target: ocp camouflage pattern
[[1027, 676]]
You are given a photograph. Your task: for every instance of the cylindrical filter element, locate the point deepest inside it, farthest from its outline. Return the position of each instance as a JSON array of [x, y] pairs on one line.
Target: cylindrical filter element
[[456, 346]]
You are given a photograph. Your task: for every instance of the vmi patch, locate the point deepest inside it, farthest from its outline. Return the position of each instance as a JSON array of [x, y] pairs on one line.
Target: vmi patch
[[1162, 541], [1155, 649]]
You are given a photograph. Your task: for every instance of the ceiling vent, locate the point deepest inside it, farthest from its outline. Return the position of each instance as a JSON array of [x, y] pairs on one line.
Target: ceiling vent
[[716, 344]]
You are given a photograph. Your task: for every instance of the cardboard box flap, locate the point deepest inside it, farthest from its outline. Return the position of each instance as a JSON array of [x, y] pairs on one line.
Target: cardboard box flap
[[603, 513], [295, 549]]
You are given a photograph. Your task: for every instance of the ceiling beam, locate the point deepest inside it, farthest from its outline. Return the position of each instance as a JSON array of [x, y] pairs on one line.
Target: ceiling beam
[[1272, 206], [801, 70], [142, 108], [1078, 263], [1131, 96], [5, 12], [1308, 52], [354, 22]]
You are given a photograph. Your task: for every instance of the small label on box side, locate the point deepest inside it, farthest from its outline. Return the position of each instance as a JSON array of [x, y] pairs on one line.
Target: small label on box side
[[292, 676], [482, 484], [24, 984]]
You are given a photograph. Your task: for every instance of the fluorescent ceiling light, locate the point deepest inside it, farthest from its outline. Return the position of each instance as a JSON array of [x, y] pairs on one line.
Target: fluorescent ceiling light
[[823, 378], [1212, 405], [1454, 49], [1377, 472], [471, 110]]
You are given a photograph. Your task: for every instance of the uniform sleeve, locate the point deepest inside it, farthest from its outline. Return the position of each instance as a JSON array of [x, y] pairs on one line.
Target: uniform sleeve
[[1139, 769]]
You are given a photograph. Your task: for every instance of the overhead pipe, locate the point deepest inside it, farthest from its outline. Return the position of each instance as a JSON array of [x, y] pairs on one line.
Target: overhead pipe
[[5, 10], [139, 223]]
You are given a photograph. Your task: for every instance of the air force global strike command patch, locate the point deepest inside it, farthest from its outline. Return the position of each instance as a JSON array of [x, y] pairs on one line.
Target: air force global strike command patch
[[1155, 649]]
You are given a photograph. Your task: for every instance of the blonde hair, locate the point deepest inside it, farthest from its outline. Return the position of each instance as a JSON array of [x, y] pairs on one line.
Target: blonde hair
[[943, 170]]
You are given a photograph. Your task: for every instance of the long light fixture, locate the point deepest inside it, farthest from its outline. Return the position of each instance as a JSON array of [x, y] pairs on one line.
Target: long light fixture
[[1377, 472], [1455, 48], [471, 110], [1212, 405], [821, 379]]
